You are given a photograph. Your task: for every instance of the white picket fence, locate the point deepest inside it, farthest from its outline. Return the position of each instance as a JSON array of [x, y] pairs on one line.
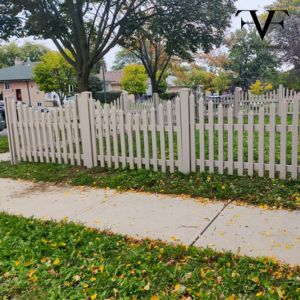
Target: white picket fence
[[238, 101], [86, 133]]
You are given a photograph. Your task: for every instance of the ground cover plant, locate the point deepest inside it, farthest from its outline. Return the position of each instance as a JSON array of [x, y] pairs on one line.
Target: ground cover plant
[[47, 260], [4, 144]]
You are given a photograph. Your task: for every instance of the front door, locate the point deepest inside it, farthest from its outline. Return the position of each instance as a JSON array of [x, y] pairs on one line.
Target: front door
[[19, 94]]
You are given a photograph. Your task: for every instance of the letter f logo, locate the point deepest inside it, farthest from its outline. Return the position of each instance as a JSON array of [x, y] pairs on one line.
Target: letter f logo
[[262, 31]]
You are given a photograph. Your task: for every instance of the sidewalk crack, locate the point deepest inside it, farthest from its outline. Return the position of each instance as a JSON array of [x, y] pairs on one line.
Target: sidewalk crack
[[210, 223]]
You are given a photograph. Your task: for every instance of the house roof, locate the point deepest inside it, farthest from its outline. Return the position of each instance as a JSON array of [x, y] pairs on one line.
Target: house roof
[[18, 72], [112, 76]]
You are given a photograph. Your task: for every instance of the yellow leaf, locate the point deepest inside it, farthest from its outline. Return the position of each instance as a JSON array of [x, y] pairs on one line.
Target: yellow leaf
[[147, 287], [85, 285], [255, 279], [93, 279], [56, 262], [67, 283], [6, 274], [30, 273], [44, 259], [101, 268], [17, 263], [177, 287], [231, 297], [93, 297], [259, 294], [154, 297]]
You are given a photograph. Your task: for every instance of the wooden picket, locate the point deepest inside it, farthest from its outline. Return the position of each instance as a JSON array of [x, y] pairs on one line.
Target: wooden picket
[[196, 138]]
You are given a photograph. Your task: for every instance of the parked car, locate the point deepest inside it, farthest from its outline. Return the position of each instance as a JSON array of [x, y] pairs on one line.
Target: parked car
[[2, 123]]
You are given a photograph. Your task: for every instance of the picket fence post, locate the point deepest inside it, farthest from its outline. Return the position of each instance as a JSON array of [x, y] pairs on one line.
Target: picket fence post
[[185, 159], [85, 128], [9, 106], [237, 95]]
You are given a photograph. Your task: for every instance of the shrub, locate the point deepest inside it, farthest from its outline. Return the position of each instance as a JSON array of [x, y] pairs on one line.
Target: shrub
[[110, 96]]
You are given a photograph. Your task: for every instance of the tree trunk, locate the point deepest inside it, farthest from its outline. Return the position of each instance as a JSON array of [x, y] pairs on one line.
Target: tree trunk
[[83, 81], [154, 84]]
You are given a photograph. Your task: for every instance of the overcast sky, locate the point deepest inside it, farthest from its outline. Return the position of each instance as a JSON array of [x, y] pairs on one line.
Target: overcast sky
[[236, 23]]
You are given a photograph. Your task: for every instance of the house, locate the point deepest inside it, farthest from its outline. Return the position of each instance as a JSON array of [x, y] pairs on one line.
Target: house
[[112, 80], [16, 82]]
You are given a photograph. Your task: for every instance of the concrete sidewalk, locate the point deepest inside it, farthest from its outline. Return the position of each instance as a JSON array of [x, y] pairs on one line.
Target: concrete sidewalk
[[243, 230]]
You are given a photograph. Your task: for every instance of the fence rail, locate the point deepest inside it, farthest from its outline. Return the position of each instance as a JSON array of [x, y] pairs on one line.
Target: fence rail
[[186, 135]]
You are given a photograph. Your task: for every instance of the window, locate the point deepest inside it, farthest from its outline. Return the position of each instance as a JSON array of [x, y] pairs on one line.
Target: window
[[6, 86]]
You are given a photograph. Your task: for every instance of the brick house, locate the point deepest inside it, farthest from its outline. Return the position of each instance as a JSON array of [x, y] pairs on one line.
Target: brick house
[[16, 82]]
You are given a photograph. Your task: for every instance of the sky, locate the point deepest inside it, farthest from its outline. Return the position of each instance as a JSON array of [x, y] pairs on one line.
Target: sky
[[235, 24]]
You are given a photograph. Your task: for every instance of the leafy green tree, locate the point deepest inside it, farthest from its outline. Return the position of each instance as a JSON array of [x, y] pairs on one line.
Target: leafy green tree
[[95, 84], [134, 79], [259, 88], [220, 82], [123, 58], [250, 58], [9, 52], [178, 29], [53, 73], [86, 29], [194, 77]]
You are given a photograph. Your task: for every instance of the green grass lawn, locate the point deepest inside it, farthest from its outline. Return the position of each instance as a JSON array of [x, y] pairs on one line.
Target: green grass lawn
[[47, 260], [251, 190], [4, 144]]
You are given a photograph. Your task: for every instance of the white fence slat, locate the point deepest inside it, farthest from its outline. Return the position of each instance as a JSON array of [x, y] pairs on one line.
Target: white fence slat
[[99, 116], [250, 142], [170, 136], [57, 137], [63, 134], [192, 132], [272, 140], [153, 138], [27, 133], [211, 136], [230, 141], [33, 135], [122, 138], [261, 141], [39, 134], [45, 139], [76, 132], [14, 121], [283, 139], [51, 139], [161, 127], [115, 137], [21, 130], [146, 139], [107, 134], [240, 143], [93, 130], [138, 140], [295, 139], [220, 139], [178, 131], [69, 133], [201, 135], [130, 140]]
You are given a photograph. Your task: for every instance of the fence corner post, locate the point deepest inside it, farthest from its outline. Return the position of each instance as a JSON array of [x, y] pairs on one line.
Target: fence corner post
[[85, 127], [156, 101], [185, 165], [8, 106], [237, 95]]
